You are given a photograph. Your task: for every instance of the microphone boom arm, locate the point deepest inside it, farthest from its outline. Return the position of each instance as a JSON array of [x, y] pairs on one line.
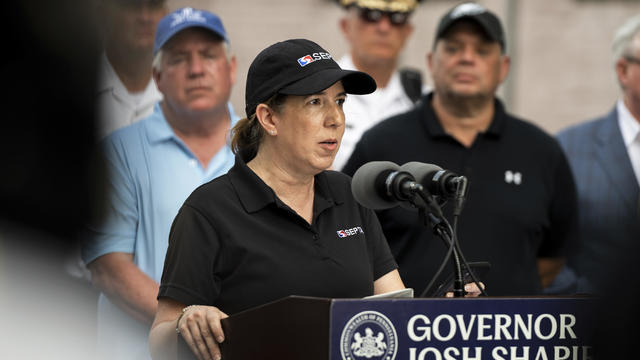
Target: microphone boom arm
[[449, 239]]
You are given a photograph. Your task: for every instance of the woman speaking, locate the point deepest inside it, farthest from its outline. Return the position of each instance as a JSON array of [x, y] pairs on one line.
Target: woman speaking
[[278, 223]]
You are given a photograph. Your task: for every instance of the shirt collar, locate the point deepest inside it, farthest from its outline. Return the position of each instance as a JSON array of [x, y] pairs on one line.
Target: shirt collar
[[629, 126], [394, 86], [158, 128], [108, 78], [496, 128], [109, 81], [255, 194], [346, 62]]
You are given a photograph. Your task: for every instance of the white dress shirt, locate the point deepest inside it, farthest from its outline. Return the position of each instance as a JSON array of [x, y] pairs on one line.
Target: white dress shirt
[[117, 107], [364, 111], [630, 129]]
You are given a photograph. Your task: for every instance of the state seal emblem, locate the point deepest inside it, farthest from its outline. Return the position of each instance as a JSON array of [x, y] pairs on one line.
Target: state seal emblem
[[368, 335]]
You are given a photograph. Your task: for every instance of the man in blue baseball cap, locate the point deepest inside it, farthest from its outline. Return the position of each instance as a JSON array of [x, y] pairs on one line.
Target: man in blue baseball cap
[[154, 165]]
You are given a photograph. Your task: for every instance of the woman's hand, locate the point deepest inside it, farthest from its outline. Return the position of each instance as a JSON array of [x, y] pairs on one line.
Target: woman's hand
[[471, 290], [200, 328]]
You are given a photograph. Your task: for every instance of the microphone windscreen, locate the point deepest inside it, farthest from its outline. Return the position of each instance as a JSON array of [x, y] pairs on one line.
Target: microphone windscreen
[[366, 184], [420, 170]]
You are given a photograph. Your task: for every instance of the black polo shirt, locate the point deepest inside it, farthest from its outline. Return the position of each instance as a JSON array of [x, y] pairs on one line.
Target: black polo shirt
[[235, 245], [521, 203]]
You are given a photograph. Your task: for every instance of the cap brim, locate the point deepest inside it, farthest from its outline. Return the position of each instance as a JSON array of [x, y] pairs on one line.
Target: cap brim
[[354, 82]]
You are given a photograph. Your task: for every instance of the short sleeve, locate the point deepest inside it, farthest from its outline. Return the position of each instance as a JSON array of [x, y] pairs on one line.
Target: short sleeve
[[116, 232], [188, 276]]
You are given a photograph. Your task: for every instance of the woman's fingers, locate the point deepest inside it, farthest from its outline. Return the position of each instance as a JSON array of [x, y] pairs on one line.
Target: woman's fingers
[[188, 336], [201, 329], [215, 326], [199, 343], [213, 351], [471, 289]]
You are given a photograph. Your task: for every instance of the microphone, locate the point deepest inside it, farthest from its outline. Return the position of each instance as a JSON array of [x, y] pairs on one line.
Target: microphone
[[437, 181], [381, 185]]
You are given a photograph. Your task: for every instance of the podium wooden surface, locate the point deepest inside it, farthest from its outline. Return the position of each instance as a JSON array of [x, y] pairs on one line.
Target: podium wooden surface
[[280, 330]]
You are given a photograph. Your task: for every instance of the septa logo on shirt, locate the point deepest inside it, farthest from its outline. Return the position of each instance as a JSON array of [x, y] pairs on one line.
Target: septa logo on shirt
[[350, 232], [308, 59]]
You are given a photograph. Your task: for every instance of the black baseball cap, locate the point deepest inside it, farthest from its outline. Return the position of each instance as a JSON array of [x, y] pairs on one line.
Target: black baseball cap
[[487, 20], [298, 67]]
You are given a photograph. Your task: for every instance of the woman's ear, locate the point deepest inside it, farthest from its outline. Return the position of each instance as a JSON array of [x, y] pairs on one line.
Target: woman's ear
[[265, 116]]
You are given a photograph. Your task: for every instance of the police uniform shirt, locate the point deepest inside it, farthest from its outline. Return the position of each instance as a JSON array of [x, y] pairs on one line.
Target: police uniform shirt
[[521, 202], [364, 111], [235, 245]]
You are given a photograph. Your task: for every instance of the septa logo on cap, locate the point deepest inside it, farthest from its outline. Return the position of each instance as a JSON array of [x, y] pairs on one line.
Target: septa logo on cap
[[305, 60], [308, 59]]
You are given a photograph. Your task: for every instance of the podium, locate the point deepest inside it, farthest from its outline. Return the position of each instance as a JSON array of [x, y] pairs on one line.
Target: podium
[[416, 329]]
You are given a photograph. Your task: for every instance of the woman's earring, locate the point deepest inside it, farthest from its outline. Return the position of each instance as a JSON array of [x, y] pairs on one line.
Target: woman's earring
[[272, 132]]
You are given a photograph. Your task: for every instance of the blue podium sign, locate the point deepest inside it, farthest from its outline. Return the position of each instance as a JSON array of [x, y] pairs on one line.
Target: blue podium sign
[[447, 329]]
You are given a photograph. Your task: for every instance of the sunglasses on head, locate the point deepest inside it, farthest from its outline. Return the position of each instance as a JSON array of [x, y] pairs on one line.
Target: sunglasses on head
[[373, 16]]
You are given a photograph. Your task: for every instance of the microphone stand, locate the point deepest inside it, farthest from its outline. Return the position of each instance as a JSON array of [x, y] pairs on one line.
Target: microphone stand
[[443, 229], [461, 192], [459, 198], [401, 186]]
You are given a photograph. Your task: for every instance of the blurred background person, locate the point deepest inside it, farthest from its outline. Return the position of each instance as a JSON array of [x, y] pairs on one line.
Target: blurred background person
[[609, 157], [377, 31], [521, 209], [47, 136], [126, 91], [604, 155], [154, 164]]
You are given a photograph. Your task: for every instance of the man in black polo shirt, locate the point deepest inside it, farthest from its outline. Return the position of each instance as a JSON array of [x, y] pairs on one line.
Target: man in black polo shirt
[[520, 214]]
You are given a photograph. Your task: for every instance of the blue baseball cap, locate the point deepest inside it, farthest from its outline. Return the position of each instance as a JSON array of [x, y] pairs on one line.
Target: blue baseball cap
[[185, 18]]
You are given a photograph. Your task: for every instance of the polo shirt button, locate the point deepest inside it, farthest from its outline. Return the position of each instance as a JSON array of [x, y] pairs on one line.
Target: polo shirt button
[[193, 163]]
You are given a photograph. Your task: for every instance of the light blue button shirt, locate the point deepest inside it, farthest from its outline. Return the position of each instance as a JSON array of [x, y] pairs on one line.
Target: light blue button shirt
[[151, 173]]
